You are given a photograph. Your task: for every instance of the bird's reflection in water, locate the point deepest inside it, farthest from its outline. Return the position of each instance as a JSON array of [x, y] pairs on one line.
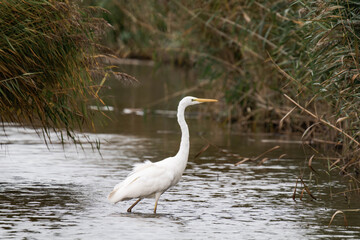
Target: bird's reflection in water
[[150, 217]]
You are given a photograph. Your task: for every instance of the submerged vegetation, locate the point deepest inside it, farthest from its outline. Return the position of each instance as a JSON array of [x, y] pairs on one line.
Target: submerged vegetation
[[48, 63], [281, 66]]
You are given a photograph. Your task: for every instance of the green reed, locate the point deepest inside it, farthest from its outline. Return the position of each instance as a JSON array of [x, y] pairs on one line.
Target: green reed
[[254, 52]]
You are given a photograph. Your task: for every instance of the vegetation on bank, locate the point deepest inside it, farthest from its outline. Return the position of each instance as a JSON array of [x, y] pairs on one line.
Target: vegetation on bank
[[49, 63], [254, 52], [281, 66]]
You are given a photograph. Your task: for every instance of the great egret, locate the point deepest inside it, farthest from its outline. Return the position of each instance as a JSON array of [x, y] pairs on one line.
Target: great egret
[[150, 179]]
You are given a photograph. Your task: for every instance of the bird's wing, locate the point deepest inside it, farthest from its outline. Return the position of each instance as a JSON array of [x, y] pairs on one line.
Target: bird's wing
[[140, 166], [143, 183], [137, 168]]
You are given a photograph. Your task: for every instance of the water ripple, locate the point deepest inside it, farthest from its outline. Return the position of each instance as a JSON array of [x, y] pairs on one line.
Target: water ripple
[[60, 193]]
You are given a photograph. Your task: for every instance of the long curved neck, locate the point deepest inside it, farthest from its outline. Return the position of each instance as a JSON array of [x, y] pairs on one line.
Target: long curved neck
[[185, 142]]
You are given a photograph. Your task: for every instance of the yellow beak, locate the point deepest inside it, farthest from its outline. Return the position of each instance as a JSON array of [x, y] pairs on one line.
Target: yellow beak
[[205, 100]]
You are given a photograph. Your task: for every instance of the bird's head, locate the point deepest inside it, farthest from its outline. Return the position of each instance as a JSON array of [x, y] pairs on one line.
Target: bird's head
[[188, 101]]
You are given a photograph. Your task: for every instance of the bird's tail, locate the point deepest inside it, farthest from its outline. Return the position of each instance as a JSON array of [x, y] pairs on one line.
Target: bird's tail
[[116, 196], [111, 197]]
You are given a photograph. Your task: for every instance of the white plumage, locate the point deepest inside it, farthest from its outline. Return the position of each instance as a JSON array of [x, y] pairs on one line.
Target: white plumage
[[150, 179]]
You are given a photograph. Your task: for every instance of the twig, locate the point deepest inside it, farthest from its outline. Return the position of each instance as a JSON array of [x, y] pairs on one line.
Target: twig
[[203, 149], [333, 216], [310, 162], [285, 74], [334, 163], [294, 194], [286, 115], [322, 120], [267, 151], [279, 15], [347, 191], [307, 189], [327, 142]]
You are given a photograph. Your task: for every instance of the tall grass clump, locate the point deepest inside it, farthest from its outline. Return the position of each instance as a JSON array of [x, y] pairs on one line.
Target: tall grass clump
[[48, 62], [324, 45], [255, 52]]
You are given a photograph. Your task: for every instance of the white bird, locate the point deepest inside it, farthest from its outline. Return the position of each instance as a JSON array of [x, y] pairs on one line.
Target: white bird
[[150, 179]]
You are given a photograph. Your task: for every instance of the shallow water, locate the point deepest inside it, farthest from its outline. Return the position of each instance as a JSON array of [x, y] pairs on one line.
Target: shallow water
[[59, 192]]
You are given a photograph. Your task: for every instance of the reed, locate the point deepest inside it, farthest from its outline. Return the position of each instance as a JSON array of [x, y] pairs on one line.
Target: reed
[[254, 52], [48, 61]]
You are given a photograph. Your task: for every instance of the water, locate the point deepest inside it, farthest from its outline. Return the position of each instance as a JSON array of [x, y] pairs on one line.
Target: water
[[59, 192]]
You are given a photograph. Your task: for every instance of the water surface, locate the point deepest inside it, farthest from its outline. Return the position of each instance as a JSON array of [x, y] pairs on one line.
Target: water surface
[[59, 191]]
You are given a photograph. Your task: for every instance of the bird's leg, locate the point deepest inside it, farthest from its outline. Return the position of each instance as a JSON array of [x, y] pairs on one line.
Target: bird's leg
[[155, 207], [131, 207], [157, 196]]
